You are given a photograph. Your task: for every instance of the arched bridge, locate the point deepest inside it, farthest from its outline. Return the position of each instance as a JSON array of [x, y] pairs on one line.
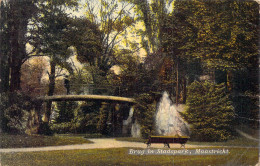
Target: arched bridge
[[112, 104], [86, 97]]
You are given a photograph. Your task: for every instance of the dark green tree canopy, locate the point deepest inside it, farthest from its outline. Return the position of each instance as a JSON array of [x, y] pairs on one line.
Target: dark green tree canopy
[[227, 32], [86, 38]]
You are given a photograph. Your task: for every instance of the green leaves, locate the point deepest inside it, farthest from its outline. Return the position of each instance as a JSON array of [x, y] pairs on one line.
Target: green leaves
[[210, 111], [85, 37], [145, 110], [227, 32]]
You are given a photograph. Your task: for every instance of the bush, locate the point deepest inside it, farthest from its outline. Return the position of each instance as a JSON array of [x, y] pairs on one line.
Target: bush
[[66, 111], [3, 106], [62, 128], [16, 109], [85, 118], [145, 110], [210, 112]]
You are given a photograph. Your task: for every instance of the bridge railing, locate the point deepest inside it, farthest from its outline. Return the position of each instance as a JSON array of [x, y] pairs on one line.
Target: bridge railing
[[77, 89], [91, 89]]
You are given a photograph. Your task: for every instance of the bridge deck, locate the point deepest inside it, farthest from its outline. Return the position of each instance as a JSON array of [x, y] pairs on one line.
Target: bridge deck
[[86, 97]]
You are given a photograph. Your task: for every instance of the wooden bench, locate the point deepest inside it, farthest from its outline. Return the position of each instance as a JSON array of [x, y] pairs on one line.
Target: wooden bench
[[166, 140]]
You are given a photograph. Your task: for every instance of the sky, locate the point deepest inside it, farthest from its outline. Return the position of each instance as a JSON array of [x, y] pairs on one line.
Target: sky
[[81, 13]]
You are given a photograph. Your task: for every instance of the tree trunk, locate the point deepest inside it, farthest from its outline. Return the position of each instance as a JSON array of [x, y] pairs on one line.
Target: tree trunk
[[51, 91], [4, 76], [177, 81], [184, 95], [17, 29], [4, 50], [15, 81], [14, 21], [229, 80], [15, 57], [52, 78]]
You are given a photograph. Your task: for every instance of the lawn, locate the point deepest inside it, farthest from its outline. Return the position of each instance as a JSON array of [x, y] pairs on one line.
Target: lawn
[[238, 141], [120, 156], [19, 141]]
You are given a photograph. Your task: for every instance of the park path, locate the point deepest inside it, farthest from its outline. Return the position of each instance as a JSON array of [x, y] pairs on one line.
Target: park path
[[98, 143], [246, 135]]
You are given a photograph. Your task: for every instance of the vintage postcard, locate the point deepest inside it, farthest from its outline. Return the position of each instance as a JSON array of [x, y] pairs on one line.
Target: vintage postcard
[[129, 82]]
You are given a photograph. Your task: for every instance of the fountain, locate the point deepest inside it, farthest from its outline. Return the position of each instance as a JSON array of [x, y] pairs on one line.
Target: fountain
[[136, 130], [168, 121], [132, 125], [129, 118]]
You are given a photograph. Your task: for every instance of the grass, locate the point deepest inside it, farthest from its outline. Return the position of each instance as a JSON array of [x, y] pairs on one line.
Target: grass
[[238, 141], [19, 141], [120, 156]]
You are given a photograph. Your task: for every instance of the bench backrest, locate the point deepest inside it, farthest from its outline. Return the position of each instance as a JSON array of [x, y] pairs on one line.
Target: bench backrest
[[162, 139]]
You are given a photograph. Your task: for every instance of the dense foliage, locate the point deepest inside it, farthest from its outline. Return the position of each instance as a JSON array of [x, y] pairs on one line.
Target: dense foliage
[[83, 118], [92, 117], [145, 110], [65, 111], [210, 112], [18, 113]]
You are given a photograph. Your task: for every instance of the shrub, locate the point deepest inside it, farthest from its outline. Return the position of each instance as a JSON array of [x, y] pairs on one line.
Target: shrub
[[145, 110], [85, 118], [209, 111], [66, 111], [17, 108], [62, 128], [3, 106]]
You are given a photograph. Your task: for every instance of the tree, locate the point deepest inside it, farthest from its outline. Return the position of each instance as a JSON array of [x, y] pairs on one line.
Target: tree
[[4, 49], [144, 9], [86, 39], [145, 110], [15, 17], [168, 29], [135, 77], [79, 79], [172, 41], [87, 117], [66, 111], [85, 36], [53, 28], [16, 32], [225, 43], [32, 72], [227, 34], [210, 112], [14, 20], [152, 14], [113, 18], [164, 36]]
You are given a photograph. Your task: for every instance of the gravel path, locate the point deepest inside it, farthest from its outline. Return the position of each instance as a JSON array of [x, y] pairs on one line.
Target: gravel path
[[98, 143]]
